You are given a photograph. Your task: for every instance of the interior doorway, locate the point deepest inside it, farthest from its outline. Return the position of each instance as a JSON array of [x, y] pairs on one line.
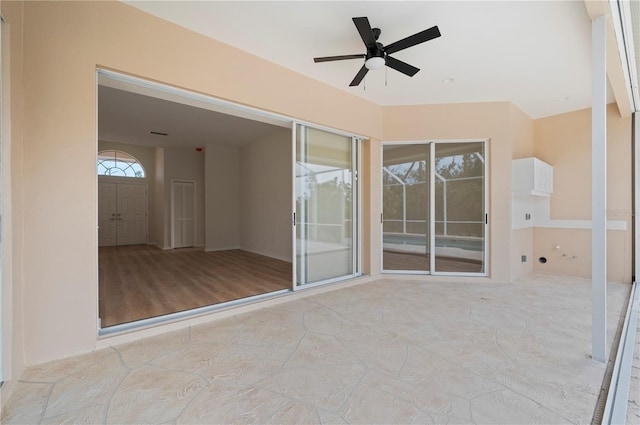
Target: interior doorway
[[183, 209], [219, 186], [224, 182]]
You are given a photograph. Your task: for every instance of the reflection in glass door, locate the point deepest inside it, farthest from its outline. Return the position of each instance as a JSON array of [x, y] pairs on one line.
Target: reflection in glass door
[[433, 208], [405, 213], [459, 208], [326, 206]]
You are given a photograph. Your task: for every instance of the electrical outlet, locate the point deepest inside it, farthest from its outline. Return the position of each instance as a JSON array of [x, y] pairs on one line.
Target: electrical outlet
[[524, 258]]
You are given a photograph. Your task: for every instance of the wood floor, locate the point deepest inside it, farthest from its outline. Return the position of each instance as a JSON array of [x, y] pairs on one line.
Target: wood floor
[[142, 281]]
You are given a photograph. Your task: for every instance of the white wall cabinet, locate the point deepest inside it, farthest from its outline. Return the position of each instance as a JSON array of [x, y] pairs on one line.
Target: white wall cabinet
[[531, 176], [531, 187]]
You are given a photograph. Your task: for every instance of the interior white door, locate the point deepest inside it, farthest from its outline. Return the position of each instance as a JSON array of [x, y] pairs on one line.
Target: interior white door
[[132, 214], [107, 220], [183, 213], [122, 214]]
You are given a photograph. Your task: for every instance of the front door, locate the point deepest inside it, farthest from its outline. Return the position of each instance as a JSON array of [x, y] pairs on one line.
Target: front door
[[107, 207], [122, 214]]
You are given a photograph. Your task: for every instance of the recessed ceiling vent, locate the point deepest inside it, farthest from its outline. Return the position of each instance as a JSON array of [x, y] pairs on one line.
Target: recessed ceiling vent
[[158, 133]]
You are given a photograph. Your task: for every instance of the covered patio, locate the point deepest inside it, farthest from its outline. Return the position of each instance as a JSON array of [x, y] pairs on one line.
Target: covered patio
[[384, 351]]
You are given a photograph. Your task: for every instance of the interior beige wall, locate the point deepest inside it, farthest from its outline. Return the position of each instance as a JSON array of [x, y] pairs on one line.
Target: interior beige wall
[[222, 197], [13, 330], [147, 158], [463, 121], [159, 228], [265, 196], [564, 141], [185, 164], [521, 129]]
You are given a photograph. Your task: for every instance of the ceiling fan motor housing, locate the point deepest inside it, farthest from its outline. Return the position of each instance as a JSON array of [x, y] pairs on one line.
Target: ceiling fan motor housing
[[376, 52]]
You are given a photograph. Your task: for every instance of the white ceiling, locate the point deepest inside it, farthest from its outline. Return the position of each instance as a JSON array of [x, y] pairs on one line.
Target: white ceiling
[[535, 54], [127, 117]]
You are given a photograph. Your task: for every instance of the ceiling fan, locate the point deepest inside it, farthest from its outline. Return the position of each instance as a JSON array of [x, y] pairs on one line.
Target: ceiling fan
[[378, 55]]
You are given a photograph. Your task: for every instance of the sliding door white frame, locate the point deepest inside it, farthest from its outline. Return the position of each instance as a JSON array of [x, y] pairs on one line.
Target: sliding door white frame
[[299, 137], [2, 159]]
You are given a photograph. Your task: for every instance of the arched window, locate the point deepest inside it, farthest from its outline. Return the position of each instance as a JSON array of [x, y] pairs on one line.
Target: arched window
[[119, 164]]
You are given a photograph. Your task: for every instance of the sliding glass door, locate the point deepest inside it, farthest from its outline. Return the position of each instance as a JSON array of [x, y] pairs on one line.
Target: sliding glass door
[[434, 208], [326, 207], [459, 208], [405, 210]]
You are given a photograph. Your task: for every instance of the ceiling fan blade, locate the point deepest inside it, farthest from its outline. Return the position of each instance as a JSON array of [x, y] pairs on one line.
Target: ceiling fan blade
[[412, 40], [338, 58], [359, 76], [403, 67], [364, 28]]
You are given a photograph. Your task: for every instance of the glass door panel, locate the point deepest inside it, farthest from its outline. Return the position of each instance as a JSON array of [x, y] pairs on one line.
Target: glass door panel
[[459, 208], [325, 212], [405, 207]]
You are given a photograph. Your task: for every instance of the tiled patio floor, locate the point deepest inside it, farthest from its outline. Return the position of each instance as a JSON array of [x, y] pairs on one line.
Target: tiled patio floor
[[390, 351]]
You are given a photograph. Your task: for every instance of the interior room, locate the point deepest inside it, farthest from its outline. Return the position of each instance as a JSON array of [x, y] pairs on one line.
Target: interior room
[[191, 204]]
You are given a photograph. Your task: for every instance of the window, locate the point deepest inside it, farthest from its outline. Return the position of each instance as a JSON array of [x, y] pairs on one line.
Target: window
[[119, 164]]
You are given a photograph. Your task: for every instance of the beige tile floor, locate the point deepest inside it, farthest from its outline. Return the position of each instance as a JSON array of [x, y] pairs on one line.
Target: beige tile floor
[[390, 351]]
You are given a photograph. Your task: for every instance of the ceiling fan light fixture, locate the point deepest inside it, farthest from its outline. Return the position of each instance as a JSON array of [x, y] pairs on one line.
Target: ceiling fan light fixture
[[377, 55], [375, 62]]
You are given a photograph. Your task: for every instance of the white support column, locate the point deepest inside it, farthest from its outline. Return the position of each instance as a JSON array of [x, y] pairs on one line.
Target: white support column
[[636, 197], [599, 190]]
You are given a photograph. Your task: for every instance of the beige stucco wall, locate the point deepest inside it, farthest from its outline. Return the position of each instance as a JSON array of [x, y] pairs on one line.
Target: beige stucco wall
[[265, 196], [13, 296], [64, 43], [371, 201], [564, 141], [521, 129]]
